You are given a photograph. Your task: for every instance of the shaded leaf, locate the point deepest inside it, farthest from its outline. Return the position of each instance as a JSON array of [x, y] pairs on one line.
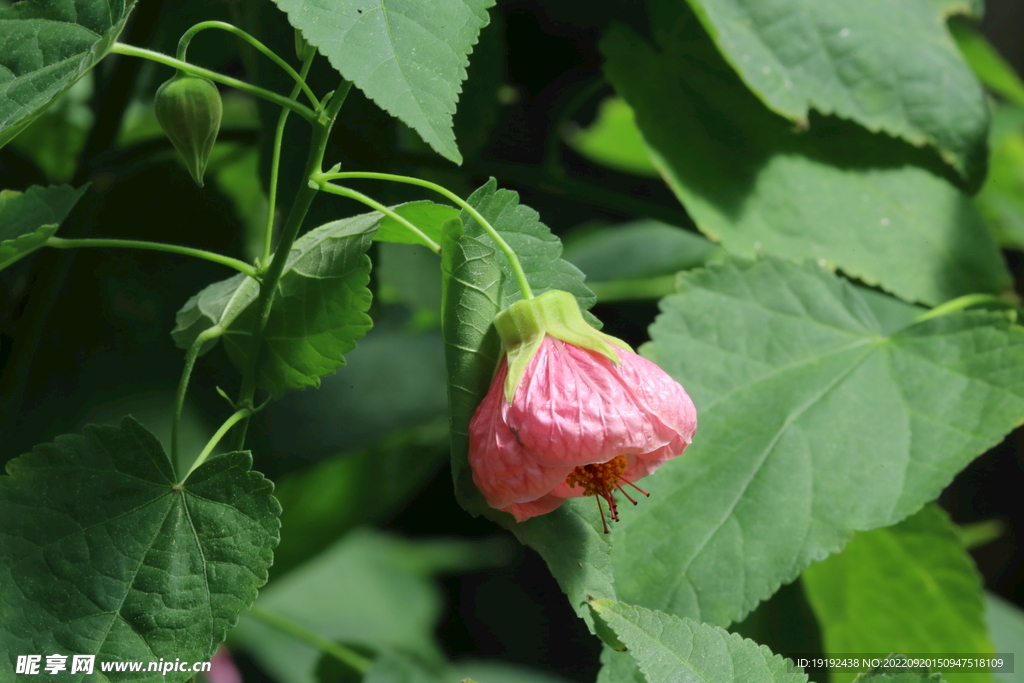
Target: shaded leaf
[[1001, 199], [908, 588], [613, 140], [408, 56], [838, 58], [48, 45], [28, 219], [670, 649], [836, 194], [370, 589], [103, 553], [318, 313]]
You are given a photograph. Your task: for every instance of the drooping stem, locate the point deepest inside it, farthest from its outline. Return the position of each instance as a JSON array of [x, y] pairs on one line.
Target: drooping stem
[[374, 204], [275, 167], [517, 267], [240, 266], [239, 414], [351, 658], [300, 80], [280, 100], [186, 373], [303, 198]]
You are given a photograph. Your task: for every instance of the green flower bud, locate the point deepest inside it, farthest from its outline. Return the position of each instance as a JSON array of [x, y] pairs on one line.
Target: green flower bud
[[302, 47], [189, 110]]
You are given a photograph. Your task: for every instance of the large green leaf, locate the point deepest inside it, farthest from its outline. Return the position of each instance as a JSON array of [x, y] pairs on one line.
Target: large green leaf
[[890, 66], [48, 45], [370, 589], [813, 424], [425, 215], [102, 552], [673, 650], [408, 56], [28, 219], [835, 194], [318, 313], [907, 588]]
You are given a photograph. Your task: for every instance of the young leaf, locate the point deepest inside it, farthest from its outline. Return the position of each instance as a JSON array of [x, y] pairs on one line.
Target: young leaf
[[836, 194], [911, 587], [813, 425], [318, 313], [47, 46], [425, 215], [408, 56], [538, 250], [103, 553], [673, 650], [28, 219], [837, 57]]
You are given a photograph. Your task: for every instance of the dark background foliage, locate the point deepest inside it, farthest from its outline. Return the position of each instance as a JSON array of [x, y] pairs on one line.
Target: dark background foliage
[[84, 336]]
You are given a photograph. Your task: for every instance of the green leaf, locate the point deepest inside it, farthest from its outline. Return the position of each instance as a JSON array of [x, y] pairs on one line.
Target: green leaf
[[370, 589], [987, 64], [104, 553], [835, 194], [318, 313], [470, 298], [907, 588], [1006, 624], [408, 56], [48, 45], [425, 215], [1001, 199], [619, 667], [813, 424], [639, 249], [838, 58], [538, 250], [613, 140], [28, 219], [673, 650]]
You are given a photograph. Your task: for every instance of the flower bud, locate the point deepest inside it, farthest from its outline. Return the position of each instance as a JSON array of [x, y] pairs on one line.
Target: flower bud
[[189, 110]]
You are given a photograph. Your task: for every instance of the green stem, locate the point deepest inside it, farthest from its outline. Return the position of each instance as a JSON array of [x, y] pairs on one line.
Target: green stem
[[374, 204], [962, 302], [240, 266], [353, 659], [132, 51], [239, 414], [627, 290], [275, 167], [186, 373], [303, 198], [517, 267], [300, 81]]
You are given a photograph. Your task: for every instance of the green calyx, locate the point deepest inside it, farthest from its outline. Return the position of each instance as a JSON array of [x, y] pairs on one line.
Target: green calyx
[[189, 110], [523, 325]]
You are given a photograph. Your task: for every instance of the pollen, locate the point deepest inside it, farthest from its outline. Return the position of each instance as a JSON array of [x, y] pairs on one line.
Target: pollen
[[601, 479]]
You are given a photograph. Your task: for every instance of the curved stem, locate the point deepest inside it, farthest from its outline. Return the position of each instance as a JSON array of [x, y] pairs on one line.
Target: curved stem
[[300, 206], [517, 267], [186, 373], [962, 302], [240, 266], [390, 213], [300, 80], [132, 51], [239, 414], [275, 167], [353, 659]]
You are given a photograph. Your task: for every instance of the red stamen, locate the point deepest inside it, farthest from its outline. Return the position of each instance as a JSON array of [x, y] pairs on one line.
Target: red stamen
[[601, 510], [638, 488], [623, 492]]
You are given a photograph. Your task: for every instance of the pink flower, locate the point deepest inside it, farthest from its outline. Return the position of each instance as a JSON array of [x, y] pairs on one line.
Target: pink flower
[[578, 424]]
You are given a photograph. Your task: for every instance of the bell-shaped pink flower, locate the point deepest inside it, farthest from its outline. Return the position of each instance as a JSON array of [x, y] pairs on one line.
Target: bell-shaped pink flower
[[573, 417]]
